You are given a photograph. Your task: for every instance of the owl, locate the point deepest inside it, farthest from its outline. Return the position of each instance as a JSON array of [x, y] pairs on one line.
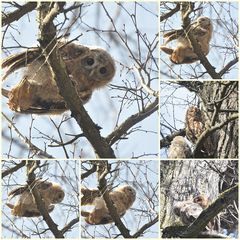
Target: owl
[[88, 68], [189, 210], [179, 148], [202, 30], [122, 197], [25, 206], [202, 200], [195, 125]]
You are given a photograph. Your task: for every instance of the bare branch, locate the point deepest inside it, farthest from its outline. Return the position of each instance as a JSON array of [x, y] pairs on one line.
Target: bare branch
[[66, 89], [17, 14]]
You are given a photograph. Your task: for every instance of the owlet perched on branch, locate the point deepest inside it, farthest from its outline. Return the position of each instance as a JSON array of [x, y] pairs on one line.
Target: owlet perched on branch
[[51, 193], [183, 53], [179, 149], [89, 68], [195, 125], [122, 198], [189, 210]]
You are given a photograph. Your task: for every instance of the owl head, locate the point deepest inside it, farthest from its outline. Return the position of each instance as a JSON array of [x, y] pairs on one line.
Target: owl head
[[194, 113], [93, 65], [99, 65], [51, 190], [179, 140], [201, 200], [203, 21], [57, 193], [129, 191]]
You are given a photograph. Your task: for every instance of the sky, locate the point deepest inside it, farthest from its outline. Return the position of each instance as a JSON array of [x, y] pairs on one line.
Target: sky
[[105, 107]]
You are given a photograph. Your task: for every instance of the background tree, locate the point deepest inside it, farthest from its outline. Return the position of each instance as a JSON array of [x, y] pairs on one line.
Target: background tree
[[218, 100], [142, 218], [63, 220], [120, 111], [222, 60], [181, 180]]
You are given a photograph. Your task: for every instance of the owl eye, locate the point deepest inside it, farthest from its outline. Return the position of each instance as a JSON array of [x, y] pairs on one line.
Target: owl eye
[[59, 196], [90, 61], [102, 70]]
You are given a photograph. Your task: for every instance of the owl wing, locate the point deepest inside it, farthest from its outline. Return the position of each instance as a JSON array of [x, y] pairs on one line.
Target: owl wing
[[106, 219], [173, 35], [43, 106], [17, 191], [89, 195], [35, 212], [41, 185], [19, 60]]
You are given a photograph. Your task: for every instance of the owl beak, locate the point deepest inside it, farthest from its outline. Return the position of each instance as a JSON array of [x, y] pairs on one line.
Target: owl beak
[[91, 73]]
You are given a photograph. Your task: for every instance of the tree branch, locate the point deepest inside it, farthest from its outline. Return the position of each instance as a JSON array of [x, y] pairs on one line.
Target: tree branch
[[103, 170], [48, 44], [145, 227], [228, 66], [13, 169], [17, 14], [131, 121], [31, 167], [166, 141], [70, 225], [197, 49], [170, 13], [210, 212], [211, 130]]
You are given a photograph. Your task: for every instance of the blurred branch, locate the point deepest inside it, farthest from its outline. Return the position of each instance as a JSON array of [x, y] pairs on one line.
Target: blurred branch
[[103, 170], [145, 227], [69, 225], [192, 86], [166, 141], [170, 13], [48, 43], [33, 148], [209, 131], [8, 18], [31, 167], [174, 232], [89, 172], [197, 48], [228, 66], [210, 212], [131, 121], [13, 169]]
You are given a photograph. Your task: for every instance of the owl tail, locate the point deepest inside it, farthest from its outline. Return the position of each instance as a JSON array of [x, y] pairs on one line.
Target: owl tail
[[19, 60]]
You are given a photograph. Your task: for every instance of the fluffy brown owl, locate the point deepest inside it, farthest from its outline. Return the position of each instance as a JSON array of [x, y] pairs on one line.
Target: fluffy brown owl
[[89, 68], [179, 148], [183, 53], [189, 210], [122, 198], [25, 206], [195, 125]]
